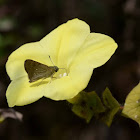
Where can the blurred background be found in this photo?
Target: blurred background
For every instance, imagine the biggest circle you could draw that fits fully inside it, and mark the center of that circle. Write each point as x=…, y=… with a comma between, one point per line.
x=27, y=21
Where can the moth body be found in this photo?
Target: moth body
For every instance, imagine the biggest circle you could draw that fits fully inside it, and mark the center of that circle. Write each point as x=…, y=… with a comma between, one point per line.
x=37, y=71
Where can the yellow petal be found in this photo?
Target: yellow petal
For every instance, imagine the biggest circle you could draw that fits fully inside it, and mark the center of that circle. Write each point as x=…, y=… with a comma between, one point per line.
x=69, y=86
x=70, y=46
x=52, y=42
x=20, y=92
x=63, y=45
x=15, y=63
x=63, y=42
x=97, y=50
x=74, y=35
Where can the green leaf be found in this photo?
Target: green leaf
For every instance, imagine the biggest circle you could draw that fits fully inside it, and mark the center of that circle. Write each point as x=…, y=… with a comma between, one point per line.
x=132, y=105
x=112, y=107
x=83, y=112
x=86, y=105
x=1, y=119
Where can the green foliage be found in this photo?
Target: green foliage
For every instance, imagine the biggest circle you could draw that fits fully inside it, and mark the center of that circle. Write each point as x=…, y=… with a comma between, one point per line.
x=88, y=104
x=1, y=119
x=112, y=107
x=132, y=105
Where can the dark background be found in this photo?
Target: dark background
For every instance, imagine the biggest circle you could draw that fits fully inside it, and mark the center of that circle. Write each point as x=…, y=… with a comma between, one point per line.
x=27, y=21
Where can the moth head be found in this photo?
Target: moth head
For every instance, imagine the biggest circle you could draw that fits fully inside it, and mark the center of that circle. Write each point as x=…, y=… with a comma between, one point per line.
x=56, y=68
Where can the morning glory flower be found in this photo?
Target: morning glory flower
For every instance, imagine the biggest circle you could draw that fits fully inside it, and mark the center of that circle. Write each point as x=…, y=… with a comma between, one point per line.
x=70, y=46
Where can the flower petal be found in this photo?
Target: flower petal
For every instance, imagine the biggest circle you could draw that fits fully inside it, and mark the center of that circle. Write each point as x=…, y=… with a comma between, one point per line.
x=97, y=50
x=21, y=92
x=64, y=46
x=51, y=42
x=15, y=63
x=75, y=33
x=69, y=86
x=70, y=46
x=63, y=42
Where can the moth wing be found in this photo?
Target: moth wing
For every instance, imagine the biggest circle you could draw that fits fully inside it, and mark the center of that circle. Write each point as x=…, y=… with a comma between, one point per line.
x=36, y=70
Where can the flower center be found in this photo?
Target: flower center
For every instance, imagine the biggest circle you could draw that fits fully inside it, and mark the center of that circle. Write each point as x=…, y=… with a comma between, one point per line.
x=61, y=73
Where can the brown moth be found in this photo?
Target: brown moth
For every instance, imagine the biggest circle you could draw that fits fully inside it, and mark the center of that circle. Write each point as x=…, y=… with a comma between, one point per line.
x=37, y=71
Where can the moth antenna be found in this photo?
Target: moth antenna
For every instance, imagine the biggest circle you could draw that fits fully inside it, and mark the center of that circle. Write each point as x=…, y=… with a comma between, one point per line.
x=51, y=60
x=54, y=65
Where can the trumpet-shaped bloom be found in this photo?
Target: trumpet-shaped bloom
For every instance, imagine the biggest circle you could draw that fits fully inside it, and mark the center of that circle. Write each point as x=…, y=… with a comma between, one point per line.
x=71, y=46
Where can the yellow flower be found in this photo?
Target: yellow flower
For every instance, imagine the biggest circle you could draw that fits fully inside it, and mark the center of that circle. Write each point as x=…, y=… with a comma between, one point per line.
x=70, y=46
